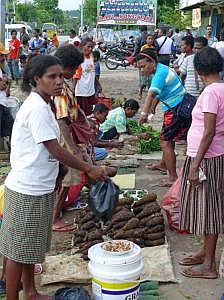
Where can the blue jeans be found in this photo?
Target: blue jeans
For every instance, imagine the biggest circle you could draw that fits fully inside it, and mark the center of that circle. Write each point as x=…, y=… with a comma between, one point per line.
x=14, y=68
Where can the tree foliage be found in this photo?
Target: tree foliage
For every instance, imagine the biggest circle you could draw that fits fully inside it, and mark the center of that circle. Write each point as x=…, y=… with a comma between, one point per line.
x=169, y=14
x=90, y=12
x=43, y=11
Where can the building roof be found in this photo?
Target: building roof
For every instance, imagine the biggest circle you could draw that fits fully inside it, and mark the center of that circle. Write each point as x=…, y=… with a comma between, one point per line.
x=190, y=4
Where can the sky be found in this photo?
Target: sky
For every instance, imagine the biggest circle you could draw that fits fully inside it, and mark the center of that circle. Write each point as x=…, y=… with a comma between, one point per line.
x=69, y=4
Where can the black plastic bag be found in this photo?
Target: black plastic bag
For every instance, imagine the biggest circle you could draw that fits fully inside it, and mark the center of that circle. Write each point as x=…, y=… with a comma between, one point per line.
x=103, y=198
x=77, y=293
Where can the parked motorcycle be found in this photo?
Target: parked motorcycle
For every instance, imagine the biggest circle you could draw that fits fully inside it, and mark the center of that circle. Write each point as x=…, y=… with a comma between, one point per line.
x=117, y=56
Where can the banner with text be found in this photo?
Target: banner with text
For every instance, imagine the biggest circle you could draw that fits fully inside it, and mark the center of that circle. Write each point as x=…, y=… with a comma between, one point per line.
x=128, y=12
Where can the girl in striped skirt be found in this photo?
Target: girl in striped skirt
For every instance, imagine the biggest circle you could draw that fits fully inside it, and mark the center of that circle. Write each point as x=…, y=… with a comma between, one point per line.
x=202, y=187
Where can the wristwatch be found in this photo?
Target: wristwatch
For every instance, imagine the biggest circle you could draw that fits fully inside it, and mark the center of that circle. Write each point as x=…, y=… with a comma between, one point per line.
x=144, y=114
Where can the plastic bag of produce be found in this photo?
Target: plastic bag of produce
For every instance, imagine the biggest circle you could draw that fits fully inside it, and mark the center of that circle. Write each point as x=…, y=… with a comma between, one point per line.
x=170, y=204
x=67, y=293
x=103, y=199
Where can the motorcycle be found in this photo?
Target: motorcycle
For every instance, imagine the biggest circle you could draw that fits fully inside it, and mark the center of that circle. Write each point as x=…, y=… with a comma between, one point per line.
x=118, y=57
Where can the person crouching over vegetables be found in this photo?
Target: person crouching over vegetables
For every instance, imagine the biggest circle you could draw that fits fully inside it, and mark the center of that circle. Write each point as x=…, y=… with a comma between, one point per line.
x=116, y=121
x=167, y=88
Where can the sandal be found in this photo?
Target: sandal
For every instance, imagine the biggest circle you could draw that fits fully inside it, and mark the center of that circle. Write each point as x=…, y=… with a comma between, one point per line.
x=154, y=167
x=191, y=260
x=70, y=228
x=196, y=273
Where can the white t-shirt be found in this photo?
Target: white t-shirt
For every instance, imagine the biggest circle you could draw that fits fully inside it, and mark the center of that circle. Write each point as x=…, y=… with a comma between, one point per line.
x=85, y=74
x=167, y=46
x=34, y=170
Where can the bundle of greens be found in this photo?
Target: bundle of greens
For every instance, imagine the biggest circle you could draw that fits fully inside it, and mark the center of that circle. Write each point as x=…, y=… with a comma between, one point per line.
x=146, y=146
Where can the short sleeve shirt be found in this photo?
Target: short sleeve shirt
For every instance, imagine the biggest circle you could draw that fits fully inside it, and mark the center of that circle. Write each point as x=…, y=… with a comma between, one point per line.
x=85, y=75
x=167, y=86
x=115, y=118
x=210, y=101
x=14, y=48
x=34, y=169
x=187, y=69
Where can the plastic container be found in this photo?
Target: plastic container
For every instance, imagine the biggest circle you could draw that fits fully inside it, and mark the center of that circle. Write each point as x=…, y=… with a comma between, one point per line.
x=115, y=277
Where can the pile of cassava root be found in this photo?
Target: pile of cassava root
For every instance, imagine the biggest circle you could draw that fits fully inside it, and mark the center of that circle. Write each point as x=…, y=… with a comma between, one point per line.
x=88, y=233
x=140, y=222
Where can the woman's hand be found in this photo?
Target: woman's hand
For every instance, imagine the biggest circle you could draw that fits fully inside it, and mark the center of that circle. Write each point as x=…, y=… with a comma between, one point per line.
x=143, y=119
x=194, y=176
x=97, y=173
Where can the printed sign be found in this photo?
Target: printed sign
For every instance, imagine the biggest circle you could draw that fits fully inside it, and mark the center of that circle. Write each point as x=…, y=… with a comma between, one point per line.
x=196, y=17
x=127, y=12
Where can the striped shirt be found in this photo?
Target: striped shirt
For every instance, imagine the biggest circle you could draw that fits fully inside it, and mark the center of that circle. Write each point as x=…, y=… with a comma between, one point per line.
x=167, y=86
x=187, y=68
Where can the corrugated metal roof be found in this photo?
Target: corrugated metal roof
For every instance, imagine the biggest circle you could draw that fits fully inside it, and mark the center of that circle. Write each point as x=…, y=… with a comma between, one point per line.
x=190, y=3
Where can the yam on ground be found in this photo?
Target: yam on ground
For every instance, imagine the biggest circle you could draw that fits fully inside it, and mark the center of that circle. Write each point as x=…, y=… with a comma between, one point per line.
x=119, y=225
x=123, y=215
x=137, y=209
x=120, y=207
x=81, y=233
x=149, y=210
x=131, y=224
x=88, y=217
x=133, y=233
x=158, y=242
x=88, y=225
x=78, y=240
x=87, y=245
x=156, y=228
x=146, y=199
x=94, y=235
x=125, y=201
x=155, y=219
x=154, y=236
x=138, y=241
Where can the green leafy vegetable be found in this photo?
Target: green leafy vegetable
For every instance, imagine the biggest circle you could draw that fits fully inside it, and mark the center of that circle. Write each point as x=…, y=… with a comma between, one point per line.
x=146, y=146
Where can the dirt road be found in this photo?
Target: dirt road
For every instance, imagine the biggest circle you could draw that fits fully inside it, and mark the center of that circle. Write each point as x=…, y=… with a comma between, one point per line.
x=125, y=83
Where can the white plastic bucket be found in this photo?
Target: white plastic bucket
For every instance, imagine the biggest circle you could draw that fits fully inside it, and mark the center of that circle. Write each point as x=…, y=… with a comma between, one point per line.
x=115, y=277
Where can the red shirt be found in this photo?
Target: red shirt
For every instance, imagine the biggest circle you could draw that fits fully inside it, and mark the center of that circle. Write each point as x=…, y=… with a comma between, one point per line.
x=14, y=46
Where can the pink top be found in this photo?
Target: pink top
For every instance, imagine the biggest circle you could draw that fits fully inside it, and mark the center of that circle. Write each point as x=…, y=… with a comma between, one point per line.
x=211, y=100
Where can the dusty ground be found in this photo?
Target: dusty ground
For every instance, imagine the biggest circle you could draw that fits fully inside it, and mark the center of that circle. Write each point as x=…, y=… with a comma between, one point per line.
x=124, y=83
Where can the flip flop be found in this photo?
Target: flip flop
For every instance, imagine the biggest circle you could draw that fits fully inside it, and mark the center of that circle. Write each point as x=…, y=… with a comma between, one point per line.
x=193, y=273
x=153, y=167
x=191, y=260
x=64, y=229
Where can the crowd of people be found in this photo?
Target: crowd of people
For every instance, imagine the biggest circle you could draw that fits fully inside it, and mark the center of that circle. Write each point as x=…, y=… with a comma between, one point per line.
x=61, y=121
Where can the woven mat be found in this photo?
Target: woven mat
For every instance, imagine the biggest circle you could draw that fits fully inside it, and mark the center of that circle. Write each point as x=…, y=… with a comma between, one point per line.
x=73, y=269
